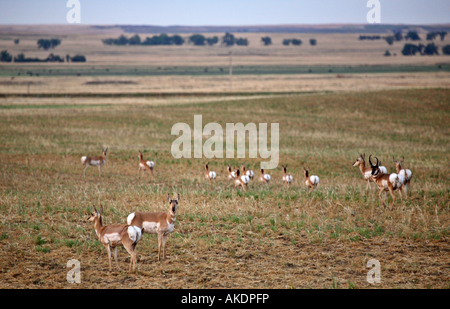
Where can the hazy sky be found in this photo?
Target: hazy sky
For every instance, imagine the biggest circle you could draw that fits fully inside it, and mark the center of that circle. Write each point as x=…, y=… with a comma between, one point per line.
x=223, y=12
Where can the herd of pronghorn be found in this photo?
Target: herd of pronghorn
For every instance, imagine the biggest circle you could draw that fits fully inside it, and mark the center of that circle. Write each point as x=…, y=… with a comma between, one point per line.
x=162, y=223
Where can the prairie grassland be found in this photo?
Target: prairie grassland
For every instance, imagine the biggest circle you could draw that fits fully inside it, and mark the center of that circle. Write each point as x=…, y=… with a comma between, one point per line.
x=267, y=237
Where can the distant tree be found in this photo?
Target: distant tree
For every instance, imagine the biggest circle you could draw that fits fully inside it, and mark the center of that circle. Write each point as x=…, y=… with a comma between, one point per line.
x=197, y=39
x=43, y=43
x=398, y=36
x=212, y=40
x=122, y=40
x=413, y=36
x=78, y=58
x=286, y=42
x=266, y=40
x=387, y=53
x=177, y=40
x=134, y=40
x=410, y=49
x=242, y=42
x=5, y=56
x=390, y=39
x=446, y=50
x=296, y=42
x=16, y=41
x=313, y=42
x=228, y=39
x=67, y=58
x=430, y=50
x=443, y=34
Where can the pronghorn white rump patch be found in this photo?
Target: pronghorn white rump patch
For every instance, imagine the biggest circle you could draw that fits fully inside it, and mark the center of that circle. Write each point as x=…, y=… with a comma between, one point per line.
x=314, y=179
x=288, y=178
x=150, y=164
x=383, y=169
x=245, y=179
x=83, y=159
x=134, y=233
x=212, y=175
x=266, y=177
x=130, y=218
x=250, y=173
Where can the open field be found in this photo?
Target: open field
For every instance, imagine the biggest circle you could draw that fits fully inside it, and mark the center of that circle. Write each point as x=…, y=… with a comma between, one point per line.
x=268, y=237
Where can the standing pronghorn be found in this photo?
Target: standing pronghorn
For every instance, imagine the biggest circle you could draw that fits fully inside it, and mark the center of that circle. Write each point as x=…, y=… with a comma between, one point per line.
x=145, y=165
x=405, y=173
x=231, y=174
x=209, y=174
x=241, y=180
x=112, y=236
x=287, y=178
x=98, y=161
x=310, y=181
x=265, y=178
x=386, y=182
x=247, y=172
x=366, y=171
x=161, y=223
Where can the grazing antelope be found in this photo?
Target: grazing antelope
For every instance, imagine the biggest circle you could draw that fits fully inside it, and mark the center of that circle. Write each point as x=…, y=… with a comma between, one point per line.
x=265, y=178
x=247, y=172
x=112, y=236
x=231, y=174
x=145, y=165
x=161, y=223
x=386, y=182
x=209, y=174
x=98, y=161
x=287, y=178
x=405, y=173
x=310, y=181
x=241, y=180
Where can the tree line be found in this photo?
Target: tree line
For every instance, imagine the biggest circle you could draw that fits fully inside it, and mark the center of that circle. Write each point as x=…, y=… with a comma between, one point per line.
x=5, y=56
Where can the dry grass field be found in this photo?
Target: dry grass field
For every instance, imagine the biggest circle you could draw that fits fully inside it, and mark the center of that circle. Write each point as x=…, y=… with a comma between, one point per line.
x=267, y=237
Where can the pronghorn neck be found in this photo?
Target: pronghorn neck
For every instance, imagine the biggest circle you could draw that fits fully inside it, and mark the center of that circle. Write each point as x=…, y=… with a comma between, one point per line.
x=306, y=174
x=362, y=166
x=98, y=226
x=398, y=167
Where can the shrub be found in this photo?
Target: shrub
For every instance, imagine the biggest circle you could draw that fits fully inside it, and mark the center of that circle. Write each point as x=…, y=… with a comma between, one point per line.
x=313, y=42
x=446, y=50
x=78, y=58
x=5, y=56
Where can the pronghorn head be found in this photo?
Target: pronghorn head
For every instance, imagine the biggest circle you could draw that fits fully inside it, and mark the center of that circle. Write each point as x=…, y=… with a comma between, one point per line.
x=360, y=159
x=305, y=171
x=173, y=204
x=229, y=168
x=375, y=167
x=284, y=168
x=238, y=172
x=96, y=214
x=262, y=171
x=398, y=163
x=140, y=155
x=206, y=166
x=105, y=151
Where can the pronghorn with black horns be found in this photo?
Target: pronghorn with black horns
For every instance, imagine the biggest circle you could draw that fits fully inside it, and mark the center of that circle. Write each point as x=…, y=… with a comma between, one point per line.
x=145, y=165
x=366, y=171
x=312, y=181
x=386, y=182
x=98, y=161
x=111, y=236
x=405, y=173
x=287, y=178
x=161, y=223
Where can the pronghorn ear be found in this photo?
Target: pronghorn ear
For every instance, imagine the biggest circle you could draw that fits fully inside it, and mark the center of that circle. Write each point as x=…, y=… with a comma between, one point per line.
x=101, y=210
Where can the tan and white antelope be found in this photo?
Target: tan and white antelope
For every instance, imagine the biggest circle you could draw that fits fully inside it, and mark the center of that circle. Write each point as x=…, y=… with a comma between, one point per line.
x=386, y=182
x=111, y=236
x=160, y=223
x=209, y=174
x=231, y=174
x=366, y=171
x=241, y=180
x=247, y=172
x=405, y=173
x=145, y=165
x=312, y=181
x=264, y=178
x=98, y=161
x=287, y=178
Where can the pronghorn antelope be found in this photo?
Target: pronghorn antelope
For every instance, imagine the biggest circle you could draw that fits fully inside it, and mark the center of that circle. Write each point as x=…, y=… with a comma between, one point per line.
x=265, y=178
x=386, y=182
x=209, y=174
x=145, y=165
x=112, y=236
x=98, y=161
x=231, y=174
x=405, y=173
x=247, y=172
x=161, y=223
x=366, y=171
x=310, y=181
x=287, y=178
x=241, y=180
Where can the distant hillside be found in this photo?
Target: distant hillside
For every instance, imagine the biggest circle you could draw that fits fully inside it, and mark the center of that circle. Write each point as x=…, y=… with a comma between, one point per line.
x=331, y=28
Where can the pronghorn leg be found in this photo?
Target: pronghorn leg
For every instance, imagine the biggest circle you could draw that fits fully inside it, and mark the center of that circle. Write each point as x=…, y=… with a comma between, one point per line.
x=108, y=249
x=159, y=246
x=99, y=171
x=393, y=197
x=164, y=246
x=400, y=192
x=115, y=258
x=85, y=168
x=381, y=199
x=131, y=250
x=406, y=190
